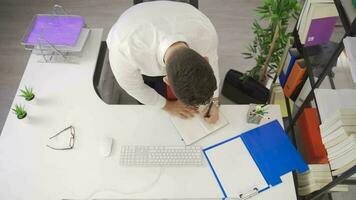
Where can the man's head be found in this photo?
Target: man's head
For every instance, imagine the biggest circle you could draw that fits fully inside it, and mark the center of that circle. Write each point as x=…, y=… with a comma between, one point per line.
x=190, y=76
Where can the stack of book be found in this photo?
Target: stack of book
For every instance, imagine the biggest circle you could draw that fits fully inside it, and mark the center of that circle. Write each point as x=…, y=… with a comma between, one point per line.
x=316, y=22
x=317, y=177
x=338, y=134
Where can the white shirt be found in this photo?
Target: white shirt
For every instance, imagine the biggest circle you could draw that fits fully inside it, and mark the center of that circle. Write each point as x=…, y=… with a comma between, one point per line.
x=139, y=39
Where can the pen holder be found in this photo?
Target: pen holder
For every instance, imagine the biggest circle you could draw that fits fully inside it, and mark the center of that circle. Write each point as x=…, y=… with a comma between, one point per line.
x=254, y=117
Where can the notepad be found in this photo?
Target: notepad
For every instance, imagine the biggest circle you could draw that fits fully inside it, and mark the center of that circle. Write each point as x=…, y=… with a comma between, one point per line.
x=196, y=128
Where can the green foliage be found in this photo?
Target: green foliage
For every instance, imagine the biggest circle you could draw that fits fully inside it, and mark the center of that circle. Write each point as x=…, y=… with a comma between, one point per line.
x=27, y=93
x=20, y=111
x=272, y=13
x=259, y=110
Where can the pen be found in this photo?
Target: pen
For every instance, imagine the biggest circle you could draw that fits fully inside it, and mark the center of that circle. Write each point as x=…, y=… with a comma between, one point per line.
x=207, y=114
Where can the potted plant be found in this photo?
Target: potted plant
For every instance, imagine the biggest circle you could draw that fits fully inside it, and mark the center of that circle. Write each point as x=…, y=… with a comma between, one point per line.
x=271, y=35
x=27, y=93
x=20, y=111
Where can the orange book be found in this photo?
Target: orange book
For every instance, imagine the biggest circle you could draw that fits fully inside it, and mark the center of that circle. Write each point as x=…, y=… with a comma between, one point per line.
x=295, y=77
x=314, y=149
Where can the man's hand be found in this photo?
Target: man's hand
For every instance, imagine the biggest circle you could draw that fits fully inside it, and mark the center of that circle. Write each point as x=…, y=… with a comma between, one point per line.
x=179, y=109
x=213, y=115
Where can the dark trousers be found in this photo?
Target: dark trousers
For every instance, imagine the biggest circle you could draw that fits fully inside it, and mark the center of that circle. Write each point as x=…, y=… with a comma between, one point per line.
x=156, y=83
x=111, y=92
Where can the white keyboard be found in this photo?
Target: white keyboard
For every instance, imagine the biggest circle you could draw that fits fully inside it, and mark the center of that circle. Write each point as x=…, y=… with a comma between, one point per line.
x=161, y=156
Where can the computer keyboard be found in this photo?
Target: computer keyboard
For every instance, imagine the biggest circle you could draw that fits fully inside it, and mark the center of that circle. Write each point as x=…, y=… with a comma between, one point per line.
x=161, y=156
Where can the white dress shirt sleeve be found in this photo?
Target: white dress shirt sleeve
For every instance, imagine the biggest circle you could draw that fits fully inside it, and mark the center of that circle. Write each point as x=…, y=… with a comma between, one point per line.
x=213, y=61
x=130, y=79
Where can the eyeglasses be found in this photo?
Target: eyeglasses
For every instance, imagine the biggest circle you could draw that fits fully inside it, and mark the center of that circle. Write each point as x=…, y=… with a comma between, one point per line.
x=71, y=140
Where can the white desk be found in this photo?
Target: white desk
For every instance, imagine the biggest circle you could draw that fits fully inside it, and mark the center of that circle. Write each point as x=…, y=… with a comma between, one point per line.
x=65, y=96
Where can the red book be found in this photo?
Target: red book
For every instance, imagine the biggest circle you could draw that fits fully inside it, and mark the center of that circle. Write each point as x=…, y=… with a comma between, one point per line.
x=314, y=149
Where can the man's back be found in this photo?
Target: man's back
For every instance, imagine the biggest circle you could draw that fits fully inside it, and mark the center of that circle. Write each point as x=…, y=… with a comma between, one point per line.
x=143, y=29
x=140, y=38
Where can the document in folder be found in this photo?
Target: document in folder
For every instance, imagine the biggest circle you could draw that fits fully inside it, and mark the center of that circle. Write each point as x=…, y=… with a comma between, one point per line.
x=230, y=162
x=254, y=161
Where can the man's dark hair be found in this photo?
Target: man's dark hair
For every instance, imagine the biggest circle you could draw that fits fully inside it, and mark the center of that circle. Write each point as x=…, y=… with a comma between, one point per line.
x=191, y=77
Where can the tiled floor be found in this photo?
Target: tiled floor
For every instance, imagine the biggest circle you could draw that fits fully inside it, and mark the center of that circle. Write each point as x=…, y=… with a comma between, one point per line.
x=232, y=19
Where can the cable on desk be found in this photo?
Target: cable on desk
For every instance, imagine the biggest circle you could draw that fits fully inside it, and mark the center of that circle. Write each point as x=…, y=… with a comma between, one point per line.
x=140, y=190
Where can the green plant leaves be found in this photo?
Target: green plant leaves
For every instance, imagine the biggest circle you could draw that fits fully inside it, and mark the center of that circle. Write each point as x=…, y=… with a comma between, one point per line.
x=273, y=13
x=20, y=111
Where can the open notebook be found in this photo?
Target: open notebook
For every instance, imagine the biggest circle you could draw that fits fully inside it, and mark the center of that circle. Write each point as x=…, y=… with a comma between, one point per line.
x=194, y=129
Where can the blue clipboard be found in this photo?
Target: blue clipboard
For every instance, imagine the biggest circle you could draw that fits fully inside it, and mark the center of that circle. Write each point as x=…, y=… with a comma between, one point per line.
x=272, y=152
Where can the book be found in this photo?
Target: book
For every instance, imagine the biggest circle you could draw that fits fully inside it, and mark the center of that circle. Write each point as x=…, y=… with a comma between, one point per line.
x=336, y=116
x=350, y=51
x=277, y=97
x=317, y=177
x=338, y=135
x=295, y=78
x=314, y=149
x=347, y=145
x=285, y=54
x=303, y=93
x=343, y=77
x=343, y=159
x=316, y=15
x=343, y=168
x=292, y=56
x=314, y=187
x=193, y=129
x=329, y=100
x=336, y=140
x=347, y=122
x=319, y=167
x=320, y=30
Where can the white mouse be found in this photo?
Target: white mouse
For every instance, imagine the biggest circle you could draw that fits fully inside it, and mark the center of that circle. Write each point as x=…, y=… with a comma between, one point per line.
x=106, y=146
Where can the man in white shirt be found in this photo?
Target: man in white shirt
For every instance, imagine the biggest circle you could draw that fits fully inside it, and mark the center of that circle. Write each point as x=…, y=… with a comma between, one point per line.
x=172, y=42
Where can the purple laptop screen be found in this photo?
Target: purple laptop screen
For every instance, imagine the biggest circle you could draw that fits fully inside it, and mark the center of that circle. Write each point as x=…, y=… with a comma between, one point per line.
x=57, y=30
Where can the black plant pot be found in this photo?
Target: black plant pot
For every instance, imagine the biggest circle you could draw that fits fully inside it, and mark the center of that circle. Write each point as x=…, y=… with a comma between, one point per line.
x=243, y=92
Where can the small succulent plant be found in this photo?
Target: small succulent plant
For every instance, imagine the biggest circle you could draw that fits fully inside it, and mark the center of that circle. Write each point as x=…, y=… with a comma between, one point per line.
x=27, y=93
x=20, y=111
x=260, y=110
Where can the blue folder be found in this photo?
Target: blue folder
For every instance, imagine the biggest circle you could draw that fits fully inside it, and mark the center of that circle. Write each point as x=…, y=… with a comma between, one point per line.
x=272, y=151
x=293, y=55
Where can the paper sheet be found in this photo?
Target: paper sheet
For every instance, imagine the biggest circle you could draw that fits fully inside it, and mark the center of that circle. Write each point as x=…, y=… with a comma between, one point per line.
x=233, y=163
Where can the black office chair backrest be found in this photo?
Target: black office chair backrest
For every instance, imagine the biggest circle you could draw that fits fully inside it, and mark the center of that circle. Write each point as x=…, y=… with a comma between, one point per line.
x=194, y=3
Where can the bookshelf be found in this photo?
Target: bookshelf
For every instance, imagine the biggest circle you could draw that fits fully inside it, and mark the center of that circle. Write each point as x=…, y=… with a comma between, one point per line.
x=320, y=60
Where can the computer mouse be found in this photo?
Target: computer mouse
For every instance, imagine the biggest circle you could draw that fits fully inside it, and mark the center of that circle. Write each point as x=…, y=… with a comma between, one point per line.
x=106, y=146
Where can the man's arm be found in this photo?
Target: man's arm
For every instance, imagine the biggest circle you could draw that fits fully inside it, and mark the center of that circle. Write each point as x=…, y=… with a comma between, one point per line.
x=213, y=61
